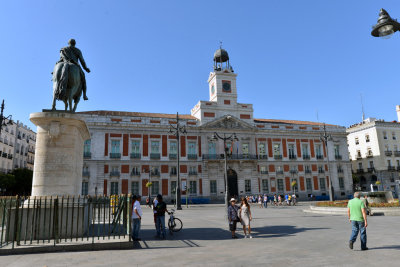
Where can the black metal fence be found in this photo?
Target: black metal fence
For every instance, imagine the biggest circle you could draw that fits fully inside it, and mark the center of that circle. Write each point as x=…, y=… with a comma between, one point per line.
x=29, y=220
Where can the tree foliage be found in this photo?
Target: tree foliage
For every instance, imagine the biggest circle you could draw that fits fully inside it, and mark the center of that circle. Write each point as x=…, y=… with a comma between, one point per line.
x=18, y=182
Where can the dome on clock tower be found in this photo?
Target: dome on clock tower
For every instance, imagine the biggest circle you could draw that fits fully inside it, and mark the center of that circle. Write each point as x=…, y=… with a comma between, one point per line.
x=221, y=55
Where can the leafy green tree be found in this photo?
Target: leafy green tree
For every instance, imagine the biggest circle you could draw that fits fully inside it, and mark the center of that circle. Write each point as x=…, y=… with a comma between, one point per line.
x=23, y=182
x=7, y=184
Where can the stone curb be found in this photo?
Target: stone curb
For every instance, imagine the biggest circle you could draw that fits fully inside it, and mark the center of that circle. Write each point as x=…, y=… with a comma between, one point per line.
x=343, y=211
x=70, y=248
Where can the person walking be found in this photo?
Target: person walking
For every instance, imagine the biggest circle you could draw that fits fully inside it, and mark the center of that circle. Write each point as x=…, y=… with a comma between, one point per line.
x=245, y=217
x=233, y=217
x=136, y=217
x=279, y=200
x=161, y=209
x=358, y=220
x=154, y=205
x=260, y=201
x=265, y=201
x=275, y=200
x=294, y=199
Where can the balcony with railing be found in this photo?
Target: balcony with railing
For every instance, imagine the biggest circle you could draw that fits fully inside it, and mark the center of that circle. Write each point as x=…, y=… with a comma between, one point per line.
x=229, y=156
x=4, y=155
x=320, y=157
x=396, y=153
x=308, y=171
x=369, y=154
x=115, y=155
x=192, y=172
x=264, y=172
x=135, y=155
x=388, y=153
x=85, y=173
x=155, y=173
x=135, y=173
x=154, y=155
x=293, y=171
x=338, y=157
x=339, y=170
x=10, y=156
x=174, y=172
x=263, y=156
x=192, y=156
x=173, y=156
x=306, y=157
x=277, y=156
x=391, y=168
x=358, y=156
x=30, y=161
x=321, y=171
x=360, y=170
x=398, y=168
x=371, y=169
x=292, y=156
x=279, y=172
x=115, y=174
x=87, y=155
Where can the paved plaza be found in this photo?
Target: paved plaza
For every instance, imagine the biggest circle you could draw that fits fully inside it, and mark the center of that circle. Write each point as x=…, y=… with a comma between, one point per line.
x=283, y=236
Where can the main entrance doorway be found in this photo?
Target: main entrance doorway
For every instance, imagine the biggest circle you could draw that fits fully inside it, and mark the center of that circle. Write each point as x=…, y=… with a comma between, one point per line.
x=232, y=184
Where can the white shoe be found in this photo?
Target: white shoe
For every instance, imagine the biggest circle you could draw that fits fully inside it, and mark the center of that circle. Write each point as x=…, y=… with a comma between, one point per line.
x=245, y=236
x=250, y=236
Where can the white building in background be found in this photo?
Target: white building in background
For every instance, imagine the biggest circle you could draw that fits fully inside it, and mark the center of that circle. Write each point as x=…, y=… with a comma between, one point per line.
x=17, y=147
x=374, y=148
x=269, y=155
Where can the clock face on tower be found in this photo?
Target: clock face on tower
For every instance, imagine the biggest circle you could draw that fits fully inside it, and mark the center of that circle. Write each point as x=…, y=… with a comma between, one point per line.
x=226, y=86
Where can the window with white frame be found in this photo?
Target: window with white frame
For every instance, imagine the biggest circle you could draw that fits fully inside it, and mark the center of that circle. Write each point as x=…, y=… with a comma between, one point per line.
x=265, y=187
x=384, y=135
x=280, y=185
x=173, y=188
x=356, y=141
x=211, y=148
x=85, y=188
x=213, y=186
x=304, y=148
x=192, y=187
x=155, y=188
x=261, y=149
x=341, y=183
x=155, y=147
x=292, y=152
x=86, y=147
x=277, y=149
x=192, y=148
x=308, y=184
x=394, y=136
x=245, y=149
x=115, y=146
x=322, y=184
x=367, y=138
x=114, y=188
x=263, y=170
x=135, y=188
x=247, y=186
x=135, y=146
x=173, y=149
x=318, y=150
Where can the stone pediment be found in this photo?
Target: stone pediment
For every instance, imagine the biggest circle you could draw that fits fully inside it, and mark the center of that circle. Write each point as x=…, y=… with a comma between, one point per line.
x=228, y=122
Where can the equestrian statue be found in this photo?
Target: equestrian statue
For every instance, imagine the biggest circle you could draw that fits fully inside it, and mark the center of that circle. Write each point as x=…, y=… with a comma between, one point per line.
x=68, y=77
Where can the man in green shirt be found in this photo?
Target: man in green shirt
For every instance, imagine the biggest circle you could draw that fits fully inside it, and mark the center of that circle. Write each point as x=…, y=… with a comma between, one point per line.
x=358, y=220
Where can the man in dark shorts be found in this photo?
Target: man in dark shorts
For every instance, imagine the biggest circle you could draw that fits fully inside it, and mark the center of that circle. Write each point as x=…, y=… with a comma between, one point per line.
x=233, y=217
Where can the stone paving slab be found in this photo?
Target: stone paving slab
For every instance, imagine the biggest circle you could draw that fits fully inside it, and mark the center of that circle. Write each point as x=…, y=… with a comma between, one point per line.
x=284, y=236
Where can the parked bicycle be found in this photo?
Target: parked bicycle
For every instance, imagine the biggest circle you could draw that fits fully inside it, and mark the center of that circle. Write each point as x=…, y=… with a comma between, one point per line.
x=174, y=224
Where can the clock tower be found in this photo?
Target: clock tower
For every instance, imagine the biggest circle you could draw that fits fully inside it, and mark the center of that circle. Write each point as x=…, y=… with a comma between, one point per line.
x=222, y=81
x=223, y=94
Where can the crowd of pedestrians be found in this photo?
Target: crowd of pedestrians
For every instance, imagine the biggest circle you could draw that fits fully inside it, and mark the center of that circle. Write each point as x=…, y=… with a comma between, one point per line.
x=275, y=200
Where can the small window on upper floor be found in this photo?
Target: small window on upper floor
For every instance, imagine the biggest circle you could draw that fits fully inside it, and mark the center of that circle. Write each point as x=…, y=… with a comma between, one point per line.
x=394, y=136
x=367, y=138
x=356, y=141
x=384, y=135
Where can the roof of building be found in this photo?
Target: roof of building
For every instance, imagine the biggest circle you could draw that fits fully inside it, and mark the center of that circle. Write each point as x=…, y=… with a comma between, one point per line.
x=190, y=117
x=137, y=114
x=291, y=122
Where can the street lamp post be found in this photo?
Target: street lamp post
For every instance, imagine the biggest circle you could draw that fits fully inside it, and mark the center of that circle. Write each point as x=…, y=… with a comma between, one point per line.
x=177, y=130
x=386, y=26
x=3, y=119
x=225, y=138
x=325, y=137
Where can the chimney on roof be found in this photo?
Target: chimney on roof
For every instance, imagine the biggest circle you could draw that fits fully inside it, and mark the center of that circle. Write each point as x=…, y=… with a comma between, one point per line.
x=398, y=112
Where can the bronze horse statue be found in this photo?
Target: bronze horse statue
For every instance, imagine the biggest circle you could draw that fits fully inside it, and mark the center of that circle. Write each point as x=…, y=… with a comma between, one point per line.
x=68, y=78
x=67, y=85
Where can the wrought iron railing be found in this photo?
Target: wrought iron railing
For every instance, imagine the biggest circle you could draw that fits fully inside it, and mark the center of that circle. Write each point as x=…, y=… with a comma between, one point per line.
x=115, y=155
x=192, y=156
x=136, y=155
x=155, y=155
x=55, y=220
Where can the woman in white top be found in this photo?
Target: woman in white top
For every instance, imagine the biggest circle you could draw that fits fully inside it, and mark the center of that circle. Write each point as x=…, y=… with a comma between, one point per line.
x=245, y=216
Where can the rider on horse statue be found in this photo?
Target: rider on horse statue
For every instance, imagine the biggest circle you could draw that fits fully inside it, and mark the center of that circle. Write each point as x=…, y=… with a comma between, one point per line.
x=73, y=55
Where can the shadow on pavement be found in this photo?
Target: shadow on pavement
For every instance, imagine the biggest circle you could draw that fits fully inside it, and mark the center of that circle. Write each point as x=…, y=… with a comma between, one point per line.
x=280, y=230
x=387, y=247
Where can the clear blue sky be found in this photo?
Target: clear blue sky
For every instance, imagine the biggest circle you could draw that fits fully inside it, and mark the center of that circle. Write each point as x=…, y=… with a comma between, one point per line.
x=292, y=57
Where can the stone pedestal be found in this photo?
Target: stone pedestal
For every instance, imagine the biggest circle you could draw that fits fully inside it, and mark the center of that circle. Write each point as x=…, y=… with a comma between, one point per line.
x=59, y=153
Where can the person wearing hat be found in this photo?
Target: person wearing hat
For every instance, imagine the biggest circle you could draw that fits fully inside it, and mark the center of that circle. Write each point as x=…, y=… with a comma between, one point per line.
x=233, y=216
x=161, y=209
x=136, y=217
